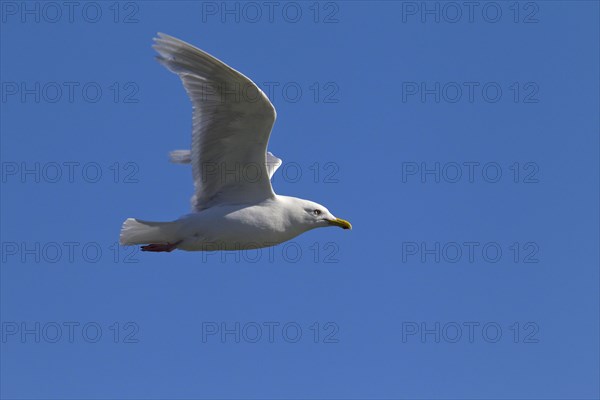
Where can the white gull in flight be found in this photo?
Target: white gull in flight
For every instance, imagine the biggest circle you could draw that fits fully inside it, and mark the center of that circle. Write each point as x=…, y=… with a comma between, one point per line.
x=234, y=206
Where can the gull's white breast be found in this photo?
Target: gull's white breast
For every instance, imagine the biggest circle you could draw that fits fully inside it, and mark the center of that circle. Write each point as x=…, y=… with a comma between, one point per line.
x=237, y=227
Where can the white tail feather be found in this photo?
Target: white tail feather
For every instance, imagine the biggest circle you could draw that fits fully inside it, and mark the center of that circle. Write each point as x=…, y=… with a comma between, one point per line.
x=136, y=231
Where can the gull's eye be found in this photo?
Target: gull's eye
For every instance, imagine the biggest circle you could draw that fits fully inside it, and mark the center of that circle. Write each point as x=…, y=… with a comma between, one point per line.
x=317, y=212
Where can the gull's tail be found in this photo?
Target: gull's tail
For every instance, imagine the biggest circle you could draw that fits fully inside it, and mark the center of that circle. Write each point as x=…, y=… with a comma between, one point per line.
x=135, y=231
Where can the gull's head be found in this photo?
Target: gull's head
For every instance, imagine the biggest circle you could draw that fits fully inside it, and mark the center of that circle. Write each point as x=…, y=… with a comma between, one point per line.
x=313, y=215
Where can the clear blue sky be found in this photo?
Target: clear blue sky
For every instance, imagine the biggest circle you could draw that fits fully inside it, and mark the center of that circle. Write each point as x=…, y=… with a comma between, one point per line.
x=464, y=152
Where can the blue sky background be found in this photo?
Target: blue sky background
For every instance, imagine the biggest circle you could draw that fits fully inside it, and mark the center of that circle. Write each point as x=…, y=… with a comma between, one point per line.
x=368, y=289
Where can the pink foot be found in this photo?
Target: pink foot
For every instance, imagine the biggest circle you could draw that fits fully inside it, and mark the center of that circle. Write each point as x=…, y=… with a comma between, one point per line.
x=156, y=247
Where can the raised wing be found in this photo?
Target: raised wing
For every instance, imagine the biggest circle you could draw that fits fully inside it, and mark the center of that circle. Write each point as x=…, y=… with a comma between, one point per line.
x=232, y=121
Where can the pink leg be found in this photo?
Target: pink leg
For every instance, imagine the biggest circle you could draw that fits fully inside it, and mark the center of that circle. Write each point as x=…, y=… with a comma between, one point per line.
x=157, y=247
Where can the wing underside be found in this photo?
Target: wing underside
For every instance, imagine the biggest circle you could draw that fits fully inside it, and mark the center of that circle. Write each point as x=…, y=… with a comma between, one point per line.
x=232, y=121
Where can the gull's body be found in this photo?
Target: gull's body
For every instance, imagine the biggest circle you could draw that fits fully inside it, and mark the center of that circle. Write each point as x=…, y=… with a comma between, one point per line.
x=231, y=210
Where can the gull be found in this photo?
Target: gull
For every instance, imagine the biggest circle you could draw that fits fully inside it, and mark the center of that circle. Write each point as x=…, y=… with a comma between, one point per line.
x=234, y=206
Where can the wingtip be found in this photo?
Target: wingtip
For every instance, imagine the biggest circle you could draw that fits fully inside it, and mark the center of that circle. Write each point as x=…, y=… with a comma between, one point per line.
x=160, y=37
x=164, y=36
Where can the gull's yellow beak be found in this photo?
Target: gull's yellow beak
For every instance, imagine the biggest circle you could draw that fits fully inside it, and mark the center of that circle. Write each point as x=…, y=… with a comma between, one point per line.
x=342, y=223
